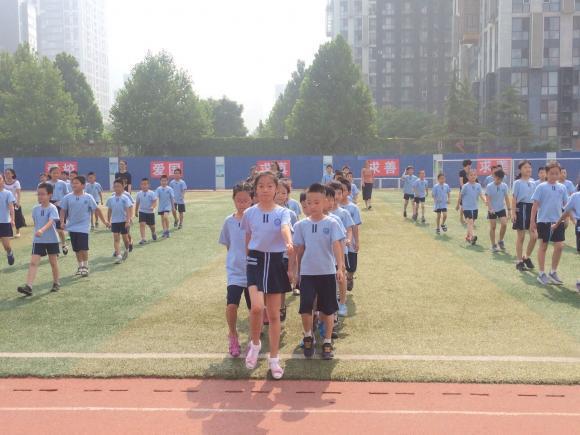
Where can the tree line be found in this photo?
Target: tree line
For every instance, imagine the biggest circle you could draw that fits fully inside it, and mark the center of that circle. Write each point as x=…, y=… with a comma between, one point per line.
x=326, y=108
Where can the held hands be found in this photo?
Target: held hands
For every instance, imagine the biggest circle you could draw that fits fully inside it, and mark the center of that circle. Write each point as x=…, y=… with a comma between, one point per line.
x=290, y=248
x=108, y=224
x=340, y=275
x=349, y=243
x=554, y=226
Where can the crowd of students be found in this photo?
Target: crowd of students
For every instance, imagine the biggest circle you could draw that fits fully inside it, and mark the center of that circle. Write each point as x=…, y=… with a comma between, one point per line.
x=69, y=203
x=542, y=209
x=276, y=245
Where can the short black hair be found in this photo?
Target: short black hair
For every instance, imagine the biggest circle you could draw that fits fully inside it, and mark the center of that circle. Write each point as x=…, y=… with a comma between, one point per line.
x=329, y=166
x=117, y=181
x=243, y=187
x=303, y=195
x=145, y=179
x=90, y=173
x=336, y=185
x=346, y=183
x=177, y=170
x=499, y=174
x=46, y=186
x=315, y=188
x=541, y=168
x=330, y=192
x=81, y=179
x=163, y=177
x=467, y=162
x=65, y=172
x=441, y=174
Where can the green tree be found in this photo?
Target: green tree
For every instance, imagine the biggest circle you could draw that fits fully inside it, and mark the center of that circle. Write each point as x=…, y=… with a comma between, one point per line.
x=507, y=121
x=75, y=83
x=227, y=118
x=275, y=126
x=461, y=116
x=36, y=113
x=404, y=123
x=157, y=111
x=335, y=109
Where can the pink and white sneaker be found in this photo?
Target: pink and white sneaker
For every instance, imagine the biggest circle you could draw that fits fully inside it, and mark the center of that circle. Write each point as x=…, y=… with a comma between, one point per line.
x=252, y=356
x=275, y=369
x=234, y=346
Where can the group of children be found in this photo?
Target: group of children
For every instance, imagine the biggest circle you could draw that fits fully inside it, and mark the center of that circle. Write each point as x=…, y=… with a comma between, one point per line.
x=272, y=249
x=72, y=205
x=541, y=208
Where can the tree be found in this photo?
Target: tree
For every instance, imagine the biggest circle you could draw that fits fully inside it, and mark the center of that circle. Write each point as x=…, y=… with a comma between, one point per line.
x=227, y=118
x=461, y=117
x=404, y=123
x=75, y=83
x=157, y=110
x=276, y=124
x=334, y=109
x=35, y=109
x=507, y=121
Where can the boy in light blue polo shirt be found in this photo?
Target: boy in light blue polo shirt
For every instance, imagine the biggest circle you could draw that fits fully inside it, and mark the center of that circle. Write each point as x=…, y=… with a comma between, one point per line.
x=497, y=196
x=408, y=180
x=119, y=214
x=94, y=189
x=441, y=196
x=570, y=188
x=572, y=209
x=468, y=199
x=145, y=210
x=59, y=191
x=179, y=187
x=7, y=201
x=421, y=190
x=549, y=199
x=78, y=206
x=166, y=198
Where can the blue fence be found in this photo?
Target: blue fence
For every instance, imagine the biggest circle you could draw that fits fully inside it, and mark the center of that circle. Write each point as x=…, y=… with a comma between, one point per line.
x=200, y=172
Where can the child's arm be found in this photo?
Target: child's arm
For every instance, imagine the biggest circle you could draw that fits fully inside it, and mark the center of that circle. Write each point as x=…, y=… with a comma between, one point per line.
x=339, y=256
x=42, y=230
x=508, y=205
x=129, y=216
x=248, y=238
x=487, y=203
x=299, y=250
x=563, y=218
x=137, y=207
x=100, y=214
x=109, y=213
x=356, y=244
x=533, y=227
x=11, y=208
x=458, y=201
x=101, y=196
x=287, y=235
x=514, y=208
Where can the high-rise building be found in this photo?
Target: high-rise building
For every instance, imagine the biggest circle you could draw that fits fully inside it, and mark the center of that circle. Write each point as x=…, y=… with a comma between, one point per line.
x=533, y=45
x=17, y=24
x=78, y=27
x=465, y=39
x=403, y=48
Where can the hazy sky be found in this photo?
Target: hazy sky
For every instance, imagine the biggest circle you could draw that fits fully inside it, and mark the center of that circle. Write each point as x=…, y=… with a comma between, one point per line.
x=238, y=48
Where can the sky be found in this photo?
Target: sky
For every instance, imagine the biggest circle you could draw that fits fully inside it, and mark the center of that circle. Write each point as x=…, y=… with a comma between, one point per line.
x=241, y=49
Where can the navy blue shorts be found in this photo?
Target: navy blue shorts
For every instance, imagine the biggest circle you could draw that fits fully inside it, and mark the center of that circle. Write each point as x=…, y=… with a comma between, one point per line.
x=79, y=241
x=235, y=293
x=266, y=271
x=419, y=200
x=440, y=210
x=523, y=216
x=321, y=288
x=351, y=262
x=44, y=249
x=119, y=228
x=470, y=214
x=497, y=215
x=148, y=218
x=180, y=208
x=408, y=196
x=5, y=230
x=545, y=233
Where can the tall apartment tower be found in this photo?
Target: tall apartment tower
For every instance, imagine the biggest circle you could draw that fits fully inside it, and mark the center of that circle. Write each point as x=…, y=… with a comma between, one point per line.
x=465, y=39
x=534, y=45
x=403, y=48
x=78, y=27
x=17, y=24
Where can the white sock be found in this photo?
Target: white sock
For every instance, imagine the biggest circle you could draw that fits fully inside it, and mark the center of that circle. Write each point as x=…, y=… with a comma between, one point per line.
x=328, y=341
x=308, y=334
x=552, y=271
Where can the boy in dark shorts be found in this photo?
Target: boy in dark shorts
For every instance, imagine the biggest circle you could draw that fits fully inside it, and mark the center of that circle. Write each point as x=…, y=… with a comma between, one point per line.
x=145, y=210
x=549, y=200
x=45, y=241
x=78, y=207
x=7, y=201
x=441, y=196
x=319, y=252
x=119, y=214
x=497, y=196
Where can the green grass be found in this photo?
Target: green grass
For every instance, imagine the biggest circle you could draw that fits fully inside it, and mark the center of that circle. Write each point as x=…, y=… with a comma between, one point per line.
x=416, y=293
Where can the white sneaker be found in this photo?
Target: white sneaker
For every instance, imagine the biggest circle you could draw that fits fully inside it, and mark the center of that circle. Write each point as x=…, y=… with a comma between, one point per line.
x=275, y=369
x=119, y=259
x=252, y=356
x=125, y=255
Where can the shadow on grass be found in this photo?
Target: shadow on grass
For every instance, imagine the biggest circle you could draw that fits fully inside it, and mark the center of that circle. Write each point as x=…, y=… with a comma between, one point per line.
x=558, y=294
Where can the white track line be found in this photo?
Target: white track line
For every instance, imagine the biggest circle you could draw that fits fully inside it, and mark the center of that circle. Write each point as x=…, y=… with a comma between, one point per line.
x=287, y=411
x=294, y=356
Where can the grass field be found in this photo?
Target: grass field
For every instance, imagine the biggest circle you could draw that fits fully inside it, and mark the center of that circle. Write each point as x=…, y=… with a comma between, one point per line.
x=416, y=294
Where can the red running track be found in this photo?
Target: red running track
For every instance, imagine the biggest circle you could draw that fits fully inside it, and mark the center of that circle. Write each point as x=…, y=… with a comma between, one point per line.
x=170, y=406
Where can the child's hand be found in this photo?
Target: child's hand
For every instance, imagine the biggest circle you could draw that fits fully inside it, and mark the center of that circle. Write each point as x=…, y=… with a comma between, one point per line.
x=290, y=248
x=39, y=233
x=348, y=243
x=554, y=226
x=340, y=275
x=108, y=224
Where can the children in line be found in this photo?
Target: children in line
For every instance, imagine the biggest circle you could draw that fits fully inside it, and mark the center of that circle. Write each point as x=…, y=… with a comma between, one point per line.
x=166, y=204
x=351, y=261
x=522, y=203
x=120, y=211
x=179, y=187
x=497, y=199
x=59, y=191
x=421, y=190
x=7, y=201
x=408, y=181
x=145, y=210
x=468, y=201
x=442, y=197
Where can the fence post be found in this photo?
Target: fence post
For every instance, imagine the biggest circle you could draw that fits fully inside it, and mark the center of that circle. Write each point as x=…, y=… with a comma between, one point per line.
x=220, y=173
x=8, y=163
x=551, y=156
x=113, y=169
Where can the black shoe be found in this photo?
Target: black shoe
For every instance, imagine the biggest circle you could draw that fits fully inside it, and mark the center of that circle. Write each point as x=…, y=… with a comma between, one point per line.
x=55, y=287
x=64, y=250
x=404, y=214
x=11, y=259
x=327, y=351
x=473, y=240
x=283, y=314
x=26, y=290
x=349, y=284
x=130, y=247
x=444, y=228
x=521, y=266
x=308, y=347
x=529, y=263
x=334, y=335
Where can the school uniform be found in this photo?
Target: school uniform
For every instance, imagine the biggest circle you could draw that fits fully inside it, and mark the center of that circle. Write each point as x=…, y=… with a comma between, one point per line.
x=233, y=237
x=497, y=194
x=94, y=189
x=408, y=183
x=440, y=193
x=420, y=190
x=352, y=255
x=79, y=209
x=573, y=206
x=19, y=221
x=165, y=195
x=470, y=194
x=119, y=206
x=179, y=188
x=294, y=205
x=318, y=265
x=265, y=266
x=522, y=192
x=47, y=243
x=327, y=178
x=570, y=188
x=146, y=212
x=347, y=222
x=59, y=191
x=551, y=199
x=6, y=199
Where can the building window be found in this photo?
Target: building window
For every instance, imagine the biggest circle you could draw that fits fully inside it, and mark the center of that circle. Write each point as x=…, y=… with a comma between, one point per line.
x=552, y=5
x=520, y=57
x=550, y=83
x=551, y=27
x=576, y=56
x=407, y=81
x=549, y=110
x=407, y=52
x=389, y=9
x=520, y=82
x=548, y=132
x=407, y=9
x=389, y=23
x=520, y=29
x=577, y=4
x=551, y=56
x=520, y=6
x=577, y=27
